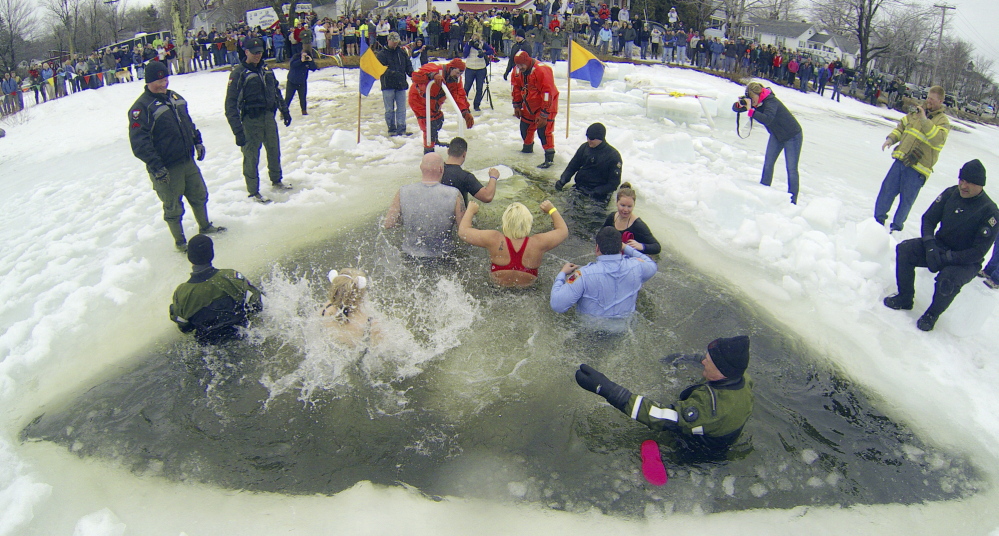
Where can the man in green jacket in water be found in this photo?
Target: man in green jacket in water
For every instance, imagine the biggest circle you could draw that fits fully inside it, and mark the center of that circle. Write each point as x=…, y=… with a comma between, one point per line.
x=213, y=303
x=707, y=415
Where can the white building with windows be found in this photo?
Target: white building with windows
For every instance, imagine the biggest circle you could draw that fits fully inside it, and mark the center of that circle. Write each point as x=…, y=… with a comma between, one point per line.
x=804, y=38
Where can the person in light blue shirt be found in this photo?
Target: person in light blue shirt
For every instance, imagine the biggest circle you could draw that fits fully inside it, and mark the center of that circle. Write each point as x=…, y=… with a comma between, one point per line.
x=608, y=287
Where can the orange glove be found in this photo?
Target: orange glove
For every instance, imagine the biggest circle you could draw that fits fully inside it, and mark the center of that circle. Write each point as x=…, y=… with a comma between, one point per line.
x=469, y=121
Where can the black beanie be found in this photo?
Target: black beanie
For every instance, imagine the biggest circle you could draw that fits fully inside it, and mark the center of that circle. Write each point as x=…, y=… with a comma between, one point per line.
x=520, y=33
x=973, y=172
x=200, y=250
x=596, y=131
x=156, y=71
x=731, y=355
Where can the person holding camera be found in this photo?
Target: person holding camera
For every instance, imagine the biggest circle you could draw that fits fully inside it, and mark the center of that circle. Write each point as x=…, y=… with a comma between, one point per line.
x=163, y=135
x=298, y=79
x=920, y=136
x=477, y=55
x=761, y=104
x=395, y=84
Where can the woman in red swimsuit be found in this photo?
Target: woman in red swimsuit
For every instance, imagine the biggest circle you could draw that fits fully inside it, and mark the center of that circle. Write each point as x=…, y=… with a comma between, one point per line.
x=516, y=256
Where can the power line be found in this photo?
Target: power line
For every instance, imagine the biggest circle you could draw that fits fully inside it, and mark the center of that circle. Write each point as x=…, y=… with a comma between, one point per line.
x=984, y=45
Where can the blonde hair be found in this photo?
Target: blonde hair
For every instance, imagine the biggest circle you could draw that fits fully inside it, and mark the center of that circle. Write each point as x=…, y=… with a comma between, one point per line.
x=345, y=294
x=517, y=221
x=938, y=91
x=754, y=87
x=626, y=191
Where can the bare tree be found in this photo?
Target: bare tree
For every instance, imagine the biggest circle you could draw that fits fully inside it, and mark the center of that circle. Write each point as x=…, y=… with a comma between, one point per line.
x=776, y=10
x=67, y=15
x=696, y=13
x=856, y=17
x=17, y=24
x=908, y=43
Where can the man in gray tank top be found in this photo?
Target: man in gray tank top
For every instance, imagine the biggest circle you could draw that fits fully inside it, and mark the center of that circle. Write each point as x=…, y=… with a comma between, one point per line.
x=428, y=211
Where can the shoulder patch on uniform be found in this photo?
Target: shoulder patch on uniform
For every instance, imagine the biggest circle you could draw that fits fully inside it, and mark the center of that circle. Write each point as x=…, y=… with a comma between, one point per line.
x=690, y=414
x=574, y=276
x=939, y=198
x=137, y=112
x=992, y=221
x=239, y=275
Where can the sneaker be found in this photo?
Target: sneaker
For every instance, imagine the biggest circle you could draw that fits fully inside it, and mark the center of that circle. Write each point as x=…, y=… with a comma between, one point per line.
x=982, y=274
x=897, y=302
x=212, y=229
x=259, y=198
x=476, y=109
x=991, y=283
x=305, y=112
x=927, y=321
x=405, y=134
x=280, y=186
x=181, y=246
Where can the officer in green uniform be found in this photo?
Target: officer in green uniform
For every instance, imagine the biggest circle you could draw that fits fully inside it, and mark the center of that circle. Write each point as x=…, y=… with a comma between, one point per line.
x=708, y=415
x=163, y=136
x=213, y=303
x=251, y=100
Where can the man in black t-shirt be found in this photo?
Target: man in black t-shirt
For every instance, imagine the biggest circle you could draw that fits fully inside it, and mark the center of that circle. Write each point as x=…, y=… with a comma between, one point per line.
x=464, y=181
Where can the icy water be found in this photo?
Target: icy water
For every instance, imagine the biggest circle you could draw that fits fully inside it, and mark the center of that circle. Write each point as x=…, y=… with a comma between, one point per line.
x=468, y=391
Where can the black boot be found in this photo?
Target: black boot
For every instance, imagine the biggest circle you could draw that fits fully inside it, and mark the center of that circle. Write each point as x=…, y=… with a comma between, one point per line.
x=898, y=302
x=927, y=321
x=549, y=159
x=428, y=150
x=528, y=148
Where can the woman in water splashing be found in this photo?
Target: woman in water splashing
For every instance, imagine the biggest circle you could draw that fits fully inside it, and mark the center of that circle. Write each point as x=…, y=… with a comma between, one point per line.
x=515, y=256
x=346, y=308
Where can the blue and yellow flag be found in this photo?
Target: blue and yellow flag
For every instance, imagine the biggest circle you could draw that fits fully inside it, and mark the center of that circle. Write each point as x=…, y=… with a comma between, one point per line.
x=371, y=68
x=583, y=65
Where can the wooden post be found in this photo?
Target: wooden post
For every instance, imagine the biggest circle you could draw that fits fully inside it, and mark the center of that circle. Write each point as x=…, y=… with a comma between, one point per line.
x=568, y=87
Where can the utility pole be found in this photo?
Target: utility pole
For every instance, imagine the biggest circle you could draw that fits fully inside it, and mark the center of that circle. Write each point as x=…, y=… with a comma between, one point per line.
x=943, y=17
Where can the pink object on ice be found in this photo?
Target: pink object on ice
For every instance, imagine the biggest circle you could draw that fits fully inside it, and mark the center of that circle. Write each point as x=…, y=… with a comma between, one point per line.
x=652, y=464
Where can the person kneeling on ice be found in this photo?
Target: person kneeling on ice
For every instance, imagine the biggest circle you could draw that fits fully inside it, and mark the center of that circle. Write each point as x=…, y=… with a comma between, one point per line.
x=607, y=288
x=967, y=220
x=596, y=166
x=708, y=415
x=434, y=73
x=346, y=308
x=535, y=103
x=213, y=303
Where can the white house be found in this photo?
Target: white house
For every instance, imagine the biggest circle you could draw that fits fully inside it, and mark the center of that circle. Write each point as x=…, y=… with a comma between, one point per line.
x=803, y=37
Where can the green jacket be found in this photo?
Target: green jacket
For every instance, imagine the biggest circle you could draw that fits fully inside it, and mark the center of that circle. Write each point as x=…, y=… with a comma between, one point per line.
x=920, y=140
x=711, y=413
x=213, y=303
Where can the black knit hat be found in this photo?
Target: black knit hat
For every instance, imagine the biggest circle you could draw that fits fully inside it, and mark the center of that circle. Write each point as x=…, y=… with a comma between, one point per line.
x=973, y=172
x=156, y=70
x=200, y=250
x=596, y=131
x=731, y=355
x=520, y=33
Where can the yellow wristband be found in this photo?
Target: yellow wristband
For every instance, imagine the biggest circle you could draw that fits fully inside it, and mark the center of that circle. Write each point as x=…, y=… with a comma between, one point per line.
x=552, y=211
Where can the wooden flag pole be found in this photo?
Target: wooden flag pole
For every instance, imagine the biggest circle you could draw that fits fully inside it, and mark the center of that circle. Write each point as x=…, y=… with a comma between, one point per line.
x=568, y=87
x=358, y=115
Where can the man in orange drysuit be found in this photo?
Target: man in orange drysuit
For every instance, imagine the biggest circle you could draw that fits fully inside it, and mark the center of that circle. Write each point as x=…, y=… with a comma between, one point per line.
x=450, y=74
x=535, y=102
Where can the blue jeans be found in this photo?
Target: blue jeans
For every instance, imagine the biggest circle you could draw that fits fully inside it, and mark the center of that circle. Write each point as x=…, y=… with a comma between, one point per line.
x=395, y=110
x=792, y=151
x=478, y=76
x=901, y=181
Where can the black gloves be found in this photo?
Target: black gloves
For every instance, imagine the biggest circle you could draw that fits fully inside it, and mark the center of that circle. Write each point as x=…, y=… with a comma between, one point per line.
x=161, y=175
x=592, y=380
x=286, y=115
x=199, y=151
x=240, y=139
x=560, y=184
x=932, y=254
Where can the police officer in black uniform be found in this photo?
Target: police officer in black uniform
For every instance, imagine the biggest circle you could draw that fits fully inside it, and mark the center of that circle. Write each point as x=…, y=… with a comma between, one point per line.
x=251, y=100
x=967, y=221
x=596, y=165
x=163, y=136
x=708, y=415
x=518, y=44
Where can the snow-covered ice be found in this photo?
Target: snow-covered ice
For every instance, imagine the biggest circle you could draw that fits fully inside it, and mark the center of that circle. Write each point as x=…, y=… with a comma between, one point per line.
x=90, y=268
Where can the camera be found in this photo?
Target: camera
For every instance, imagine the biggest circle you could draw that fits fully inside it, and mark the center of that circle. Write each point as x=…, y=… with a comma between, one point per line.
x=739, y=107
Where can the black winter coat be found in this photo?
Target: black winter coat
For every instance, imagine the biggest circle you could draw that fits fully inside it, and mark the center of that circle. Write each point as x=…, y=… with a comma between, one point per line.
x=777, y=118
x=399, y=68
x=597, y=170
x=967, y=226
x=161, y=131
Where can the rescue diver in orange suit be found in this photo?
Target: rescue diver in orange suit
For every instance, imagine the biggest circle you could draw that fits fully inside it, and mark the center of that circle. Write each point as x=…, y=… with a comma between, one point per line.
x=535, y=102
x=449, y=74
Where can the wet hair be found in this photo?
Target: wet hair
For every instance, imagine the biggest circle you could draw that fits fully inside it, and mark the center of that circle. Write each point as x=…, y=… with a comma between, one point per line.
x=754, y=87
x=625, y=190
x=609, y=241
x=344, y=295
x=517, y=221
x=457, y=147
